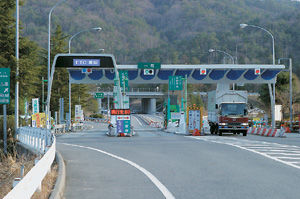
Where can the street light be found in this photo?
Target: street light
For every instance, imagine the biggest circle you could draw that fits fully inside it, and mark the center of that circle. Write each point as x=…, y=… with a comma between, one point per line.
x=70, y=40
x=273, y=42
x=97, y=51
x=49, y=53
x=17, y=74
x=291, y=88
x=269, y=85
x=214, y=50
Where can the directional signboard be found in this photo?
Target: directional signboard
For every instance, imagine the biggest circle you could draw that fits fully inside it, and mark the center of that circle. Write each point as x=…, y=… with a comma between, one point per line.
x=123, y=124
x=4, y=85
x=35, y=106
x=99, y=95
x=175, y=83
x=84, y=61
x=147, y=65
x=123, y=74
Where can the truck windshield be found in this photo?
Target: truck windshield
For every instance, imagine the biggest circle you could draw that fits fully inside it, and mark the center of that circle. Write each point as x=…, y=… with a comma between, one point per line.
x=233, y=109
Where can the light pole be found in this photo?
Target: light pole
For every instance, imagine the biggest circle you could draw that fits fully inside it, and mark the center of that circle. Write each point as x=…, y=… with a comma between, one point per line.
x=70, y=40
x=291, y=88
x=96, y=51
x=49, y=62
x=269, y=85
x=17, y=69
x=214, y=50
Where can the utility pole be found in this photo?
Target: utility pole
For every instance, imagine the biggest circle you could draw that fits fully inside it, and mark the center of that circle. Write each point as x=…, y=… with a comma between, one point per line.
x=17, y=69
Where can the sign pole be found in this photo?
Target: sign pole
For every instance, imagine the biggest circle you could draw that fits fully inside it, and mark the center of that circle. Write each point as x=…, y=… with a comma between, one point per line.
x=4, y=129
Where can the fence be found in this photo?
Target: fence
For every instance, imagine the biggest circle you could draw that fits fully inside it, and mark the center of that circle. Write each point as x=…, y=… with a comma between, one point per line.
x=44, y=142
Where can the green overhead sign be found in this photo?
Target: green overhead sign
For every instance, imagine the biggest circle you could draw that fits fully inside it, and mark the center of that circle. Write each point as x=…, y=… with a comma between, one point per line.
x=148, y=65
x=99, y=95
x=4, y=85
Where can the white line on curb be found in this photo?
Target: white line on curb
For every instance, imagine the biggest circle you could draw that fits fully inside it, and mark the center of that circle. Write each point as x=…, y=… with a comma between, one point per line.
x=156, y=182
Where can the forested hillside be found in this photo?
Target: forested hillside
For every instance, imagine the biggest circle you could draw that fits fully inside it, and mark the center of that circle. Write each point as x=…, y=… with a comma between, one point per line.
x=166, y=31
x=171, y=31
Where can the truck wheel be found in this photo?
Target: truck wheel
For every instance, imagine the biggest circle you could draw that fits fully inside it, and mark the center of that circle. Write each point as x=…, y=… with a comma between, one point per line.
x=220, y=133
x=245, y=134
x=211, y=130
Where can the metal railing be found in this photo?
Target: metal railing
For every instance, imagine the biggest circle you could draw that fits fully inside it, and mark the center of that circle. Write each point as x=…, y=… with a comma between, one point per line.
x=43, y=141
x=37, y=138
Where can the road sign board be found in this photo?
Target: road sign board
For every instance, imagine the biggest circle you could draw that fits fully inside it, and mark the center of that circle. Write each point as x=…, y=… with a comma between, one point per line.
x=35, y=106
x=147, y=65
x=99, y=95
x=175, y=83
x=123, y=124
x=4, y=85
x=120, y=111
x=123, y=74
x=84, y=61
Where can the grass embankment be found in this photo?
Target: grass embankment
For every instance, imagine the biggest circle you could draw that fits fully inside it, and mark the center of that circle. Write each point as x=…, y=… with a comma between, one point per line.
x=10, y=168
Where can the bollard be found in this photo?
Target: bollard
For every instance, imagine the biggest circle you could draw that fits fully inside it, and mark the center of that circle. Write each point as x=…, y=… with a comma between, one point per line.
x=15, y=182
x=22, y=171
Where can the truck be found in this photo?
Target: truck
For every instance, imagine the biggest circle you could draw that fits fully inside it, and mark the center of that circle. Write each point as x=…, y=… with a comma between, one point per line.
x=228, y=111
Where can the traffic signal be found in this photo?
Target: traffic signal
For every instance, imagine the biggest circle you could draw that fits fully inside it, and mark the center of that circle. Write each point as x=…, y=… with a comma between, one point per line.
x=203, y=71
x=86, y=70
x=257, y=71
x=148, y=72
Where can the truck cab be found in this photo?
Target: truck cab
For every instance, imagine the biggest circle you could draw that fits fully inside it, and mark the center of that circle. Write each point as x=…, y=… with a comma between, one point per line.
x=233, y=117
x=228, y=111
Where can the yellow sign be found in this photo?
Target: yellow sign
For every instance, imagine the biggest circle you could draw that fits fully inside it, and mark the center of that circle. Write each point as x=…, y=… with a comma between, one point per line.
x=194, y=118
x=39, y=120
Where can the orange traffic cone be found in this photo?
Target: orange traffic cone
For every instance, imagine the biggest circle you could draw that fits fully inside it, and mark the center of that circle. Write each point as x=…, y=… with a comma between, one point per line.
x=121, y=135
x=196, y=132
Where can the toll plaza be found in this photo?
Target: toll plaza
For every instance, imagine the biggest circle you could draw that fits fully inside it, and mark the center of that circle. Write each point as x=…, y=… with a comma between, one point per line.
x=103, y=69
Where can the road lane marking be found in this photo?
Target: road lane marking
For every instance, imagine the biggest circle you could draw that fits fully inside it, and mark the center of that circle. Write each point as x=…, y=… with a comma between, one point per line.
x=234, y=143
x=138, y=120
x=156, y=182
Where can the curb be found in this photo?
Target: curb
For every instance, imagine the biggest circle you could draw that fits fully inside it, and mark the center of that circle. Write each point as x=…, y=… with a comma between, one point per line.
x=59, y=187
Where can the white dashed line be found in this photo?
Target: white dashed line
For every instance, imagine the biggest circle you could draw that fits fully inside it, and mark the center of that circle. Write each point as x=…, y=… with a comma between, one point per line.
x=167, y=194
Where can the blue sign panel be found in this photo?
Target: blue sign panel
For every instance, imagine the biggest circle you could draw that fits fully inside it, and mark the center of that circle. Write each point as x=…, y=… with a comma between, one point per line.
x=86, y=62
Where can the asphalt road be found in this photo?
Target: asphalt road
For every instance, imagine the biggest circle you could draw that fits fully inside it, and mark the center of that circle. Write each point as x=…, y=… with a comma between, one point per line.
x=154, y=164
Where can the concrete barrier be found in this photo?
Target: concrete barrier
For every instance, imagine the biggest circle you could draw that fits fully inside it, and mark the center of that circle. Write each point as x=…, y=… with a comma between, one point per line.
x=268, y=132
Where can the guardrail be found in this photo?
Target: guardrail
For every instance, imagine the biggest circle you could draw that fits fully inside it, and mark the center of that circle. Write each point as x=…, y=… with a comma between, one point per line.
x=36, y=138
x=43, y=141
x=60, y=128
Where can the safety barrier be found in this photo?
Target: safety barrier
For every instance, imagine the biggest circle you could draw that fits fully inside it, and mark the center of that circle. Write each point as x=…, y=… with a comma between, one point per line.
x=77, y=127
x=269, y=132
x=60, y=128
x=44, y=142
x=151, y=122
x=101, y=120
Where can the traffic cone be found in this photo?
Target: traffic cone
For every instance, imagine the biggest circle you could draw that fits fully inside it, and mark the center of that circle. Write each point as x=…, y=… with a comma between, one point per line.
x=196, y=132
x=287, y=129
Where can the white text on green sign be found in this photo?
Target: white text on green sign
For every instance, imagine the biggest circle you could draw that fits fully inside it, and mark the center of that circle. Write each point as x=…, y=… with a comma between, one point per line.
x=175, y=83
x=146, y=65
x=99, y=95
x=4, y=85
